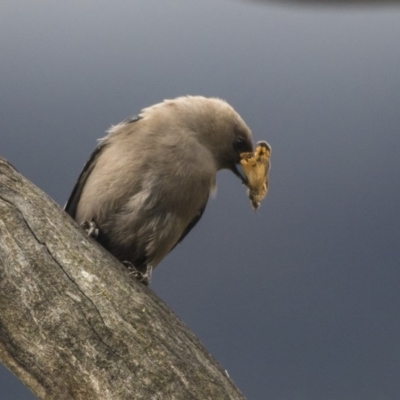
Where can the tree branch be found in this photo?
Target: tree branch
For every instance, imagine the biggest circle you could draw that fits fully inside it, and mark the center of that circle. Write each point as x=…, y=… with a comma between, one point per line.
x=75, y=325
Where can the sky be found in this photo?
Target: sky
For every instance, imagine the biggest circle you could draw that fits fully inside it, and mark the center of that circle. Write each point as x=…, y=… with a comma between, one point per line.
x=299, y=300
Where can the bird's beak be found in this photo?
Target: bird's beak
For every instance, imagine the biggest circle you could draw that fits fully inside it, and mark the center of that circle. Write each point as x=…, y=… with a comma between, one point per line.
x=239, y=172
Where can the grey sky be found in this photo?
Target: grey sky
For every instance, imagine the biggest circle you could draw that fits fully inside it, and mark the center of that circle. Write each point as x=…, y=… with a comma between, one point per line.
x=299, y=300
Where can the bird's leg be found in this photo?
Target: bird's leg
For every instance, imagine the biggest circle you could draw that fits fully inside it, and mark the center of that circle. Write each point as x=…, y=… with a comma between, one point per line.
x=147, y=275
x=144, y=277
x=90, y=228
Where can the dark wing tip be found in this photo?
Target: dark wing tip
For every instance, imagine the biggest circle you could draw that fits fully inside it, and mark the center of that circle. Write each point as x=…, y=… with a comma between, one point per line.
x=73, y=200
x=131, y=120
x=192, y=224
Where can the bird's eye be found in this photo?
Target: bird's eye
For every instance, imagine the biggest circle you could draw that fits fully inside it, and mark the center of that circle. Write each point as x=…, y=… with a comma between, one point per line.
x=240, y=144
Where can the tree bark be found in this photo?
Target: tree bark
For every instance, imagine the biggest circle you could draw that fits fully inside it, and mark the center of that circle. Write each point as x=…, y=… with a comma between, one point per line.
x=75, y=325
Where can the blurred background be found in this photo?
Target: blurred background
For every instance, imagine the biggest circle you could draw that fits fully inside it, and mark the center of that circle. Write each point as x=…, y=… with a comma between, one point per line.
x=300, y=300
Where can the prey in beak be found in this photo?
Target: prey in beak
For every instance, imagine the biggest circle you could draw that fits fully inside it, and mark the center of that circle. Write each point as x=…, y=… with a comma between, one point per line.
x=254, y=170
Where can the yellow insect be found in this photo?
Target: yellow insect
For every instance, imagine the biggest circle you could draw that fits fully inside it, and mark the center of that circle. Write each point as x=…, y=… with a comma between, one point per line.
x=256, y=167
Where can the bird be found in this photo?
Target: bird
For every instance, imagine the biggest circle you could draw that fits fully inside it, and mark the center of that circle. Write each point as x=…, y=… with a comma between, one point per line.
x=147, y=183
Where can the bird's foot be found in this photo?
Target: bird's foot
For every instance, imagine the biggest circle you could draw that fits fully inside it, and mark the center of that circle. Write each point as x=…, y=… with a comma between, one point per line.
x=141, y=276
x=90, y=228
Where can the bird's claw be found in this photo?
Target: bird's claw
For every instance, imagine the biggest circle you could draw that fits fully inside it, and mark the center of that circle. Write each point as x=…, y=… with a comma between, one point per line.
x=90, y=228
x=144, y=277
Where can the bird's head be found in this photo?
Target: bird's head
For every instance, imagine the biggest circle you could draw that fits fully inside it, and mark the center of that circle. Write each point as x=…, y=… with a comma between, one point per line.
x=219, y=128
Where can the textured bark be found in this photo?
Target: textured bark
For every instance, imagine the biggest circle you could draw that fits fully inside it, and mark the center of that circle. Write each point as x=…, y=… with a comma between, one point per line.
x=75, y=325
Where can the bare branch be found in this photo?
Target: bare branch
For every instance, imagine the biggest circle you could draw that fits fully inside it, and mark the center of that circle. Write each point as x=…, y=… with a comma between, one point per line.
x=74, y=325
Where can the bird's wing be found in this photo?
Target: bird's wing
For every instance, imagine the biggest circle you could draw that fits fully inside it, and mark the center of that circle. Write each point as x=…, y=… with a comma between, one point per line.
x=73, y=200
x=192, y=223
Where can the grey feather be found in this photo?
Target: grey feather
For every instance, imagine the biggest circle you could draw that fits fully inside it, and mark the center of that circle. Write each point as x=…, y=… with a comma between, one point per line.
x=148, y=182
x=75, y=196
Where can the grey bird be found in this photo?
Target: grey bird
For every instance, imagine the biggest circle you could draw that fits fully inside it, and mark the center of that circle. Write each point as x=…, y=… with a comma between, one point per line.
x=147, y=183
